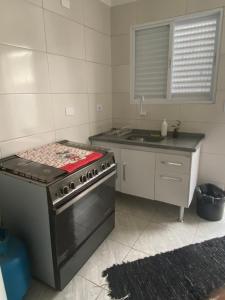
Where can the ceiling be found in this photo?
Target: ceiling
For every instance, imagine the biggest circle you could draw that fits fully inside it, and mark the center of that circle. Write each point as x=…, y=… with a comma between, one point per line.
x=117, y=2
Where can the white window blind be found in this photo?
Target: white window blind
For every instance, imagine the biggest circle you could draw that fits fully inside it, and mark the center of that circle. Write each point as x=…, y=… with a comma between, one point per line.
x=151, y=62
x=194, y=57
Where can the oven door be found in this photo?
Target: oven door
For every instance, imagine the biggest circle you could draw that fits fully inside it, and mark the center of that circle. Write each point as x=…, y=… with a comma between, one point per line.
x=75, y=221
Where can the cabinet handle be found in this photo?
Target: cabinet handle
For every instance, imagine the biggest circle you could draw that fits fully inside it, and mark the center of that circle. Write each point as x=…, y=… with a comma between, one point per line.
x=171, y=163
x=124, y=171
x=168, y=178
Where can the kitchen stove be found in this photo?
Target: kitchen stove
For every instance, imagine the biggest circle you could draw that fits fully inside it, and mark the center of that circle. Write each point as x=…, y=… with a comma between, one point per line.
x=60, y=199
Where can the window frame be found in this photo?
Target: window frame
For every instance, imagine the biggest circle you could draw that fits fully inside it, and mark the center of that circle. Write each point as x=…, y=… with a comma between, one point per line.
x=169, y=99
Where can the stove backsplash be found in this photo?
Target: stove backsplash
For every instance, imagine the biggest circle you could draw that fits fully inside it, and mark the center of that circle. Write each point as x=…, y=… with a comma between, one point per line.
x=55, y=66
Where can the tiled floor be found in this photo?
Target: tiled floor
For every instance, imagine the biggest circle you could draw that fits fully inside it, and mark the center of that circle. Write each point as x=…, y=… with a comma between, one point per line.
x=143, y=228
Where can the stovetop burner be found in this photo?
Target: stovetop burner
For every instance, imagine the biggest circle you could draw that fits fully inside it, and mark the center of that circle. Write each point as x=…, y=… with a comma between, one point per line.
x=31, y=170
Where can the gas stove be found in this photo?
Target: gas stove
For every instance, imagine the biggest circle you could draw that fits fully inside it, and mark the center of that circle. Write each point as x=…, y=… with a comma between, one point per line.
x=61, y=183
x=60, y=198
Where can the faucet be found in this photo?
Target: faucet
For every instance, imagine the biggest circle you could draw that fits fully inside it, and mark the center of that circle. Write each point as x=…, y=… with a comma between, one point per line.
x=142, y=100
x=176, y=128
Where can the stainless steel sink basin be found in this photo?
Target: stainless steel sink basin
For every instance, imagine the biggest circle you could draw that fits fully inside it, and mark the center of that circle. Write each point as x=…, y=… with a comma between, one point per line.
x=144, y=138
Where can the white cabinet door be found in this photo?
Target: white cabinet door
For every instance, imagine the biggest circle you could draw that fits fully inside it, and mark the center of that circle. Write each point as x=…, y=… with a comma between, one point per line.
x=138, y=173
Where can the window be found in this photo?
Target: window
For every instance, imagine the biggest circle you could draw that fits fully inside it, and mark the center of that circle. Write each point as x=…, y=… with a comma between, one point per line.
x=176, y=61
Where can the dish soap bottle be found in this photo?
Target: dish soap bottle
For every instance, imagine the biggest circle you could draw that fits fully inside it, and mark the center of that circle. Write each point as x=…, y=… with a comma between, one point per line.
x=164, y=128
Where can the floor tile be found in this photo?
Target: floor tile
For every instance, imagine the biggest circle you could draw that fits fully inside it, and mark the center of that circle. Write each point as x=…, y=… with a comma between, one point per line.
x=108, y=254
x=138, y=207
x=208, y=230
x=78, y=289
x=135, y=255
x=104, y=295
x=166, y=236
x=128, y=228
x=165, y=213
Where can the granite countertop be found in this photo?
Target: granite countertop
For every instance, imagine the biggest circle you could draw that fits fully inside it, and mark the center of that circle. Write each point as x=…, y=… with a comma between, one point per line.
x=187, y=142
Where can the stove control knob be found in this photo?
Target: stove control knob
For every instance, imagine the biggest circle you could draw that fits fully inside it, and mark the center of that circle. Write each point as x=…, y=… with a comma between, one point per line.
x=65, y=190
x=95, y=172
x=83, y=179
x=89, y=175
x=108, y=164
x=72, y=185
x=103, y=166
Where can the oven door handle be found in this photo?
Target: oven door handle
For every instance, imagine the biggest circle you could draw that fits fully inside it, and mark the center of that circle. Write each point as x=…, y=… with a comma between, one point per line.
x=84, y=193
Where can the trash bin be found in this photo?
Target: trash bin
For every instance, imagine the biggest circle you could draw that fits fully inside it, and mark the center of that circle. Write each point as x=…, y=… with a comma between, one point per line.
x=210, y=202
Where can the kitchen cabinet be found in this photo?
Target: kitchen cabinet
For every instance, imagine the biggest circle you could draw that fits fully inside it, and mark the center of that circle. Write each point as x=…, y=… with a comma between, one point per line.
x=168, y=176
x=138, y=172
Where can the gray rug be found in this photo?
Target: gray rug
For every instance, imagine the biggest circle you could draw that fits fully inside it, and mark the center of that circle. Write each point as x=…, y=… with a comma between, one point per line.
x=188, y=273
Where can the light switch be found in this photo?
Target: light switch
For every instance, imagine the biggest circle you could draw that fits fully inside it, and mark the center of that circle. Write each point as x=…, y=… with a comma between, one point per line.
x=66, y=3
x=99, y=107
x=69, y=111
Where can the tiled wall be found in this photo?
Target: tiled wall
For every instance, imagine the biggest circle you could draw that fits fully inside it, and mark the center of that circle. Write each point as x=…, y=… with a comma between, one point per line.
x=209, y=119
x=52, y=58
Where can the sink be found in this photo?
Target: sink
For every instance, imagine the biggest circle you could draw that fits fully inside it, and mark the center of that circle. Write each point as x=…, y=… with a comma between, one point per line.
x=119, y=132
x=144, y=138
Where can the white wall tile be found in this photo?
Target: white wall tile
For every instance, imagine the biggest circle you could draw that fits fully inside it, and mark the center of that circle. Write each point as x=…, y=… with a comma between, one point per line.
x=37, y=86
x=124, y=122
x=122, y=106
x=121, y=78
x=97, y=15
x=77, y=102
x=64, y=36
x=79, y=134
x=29, y=114
x=98, y=47
x=148, y=124
x=75, y=12
x=160, y=112
x=23, y=71
x=120, y=49
x=198, y=5
x=211, y=113
x=23, y=115
x=100, y=126
x=122, y=17
x=100, y=99
x=212, y=168
x=36, y=2
x=151, y=10
x=21, y=24
x=22, y=144
x=99, y=78
x=67, y=75
x=214, y=142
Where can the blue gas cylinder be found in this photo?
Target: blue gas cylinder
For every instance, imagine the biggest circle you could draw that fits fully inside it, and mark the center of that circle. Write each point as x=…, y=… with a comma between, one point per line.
x=14, y=264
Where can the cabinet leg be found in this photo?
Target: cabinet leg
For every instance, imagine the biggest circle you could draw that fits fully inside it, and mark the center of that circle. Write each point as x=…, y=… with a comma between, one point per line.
x=181, y=214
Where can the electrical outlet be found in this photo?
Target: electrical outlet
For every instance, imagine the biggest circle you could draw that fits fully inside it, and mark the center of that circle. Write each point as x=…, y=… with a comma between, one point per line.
x=65, y=3
x=69, y=111
x=99, y=107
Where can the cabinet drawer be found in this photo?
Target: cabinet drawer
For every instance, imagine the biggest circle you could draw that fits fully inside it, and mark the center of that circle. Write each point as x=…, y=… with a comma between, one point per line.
x=173, y=189
x=169, y=163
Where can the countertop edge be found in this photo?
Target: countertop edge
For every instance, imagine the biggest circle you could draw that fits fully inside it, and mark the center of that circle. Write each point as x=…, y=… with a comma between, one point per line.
x=101, y=138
